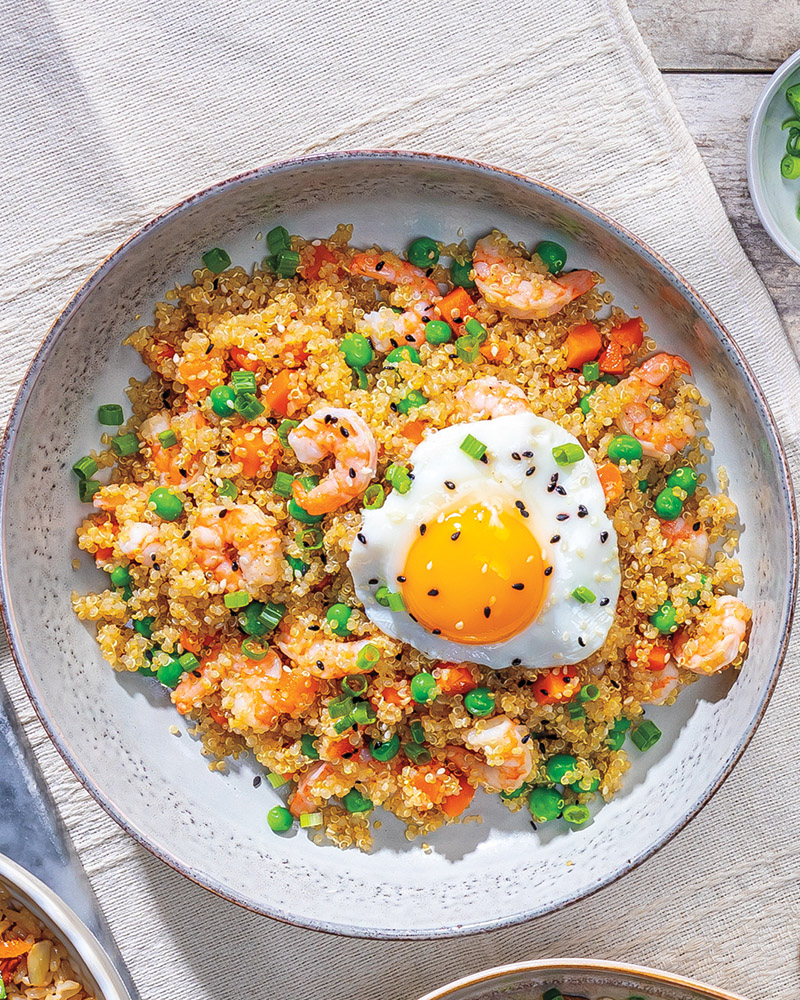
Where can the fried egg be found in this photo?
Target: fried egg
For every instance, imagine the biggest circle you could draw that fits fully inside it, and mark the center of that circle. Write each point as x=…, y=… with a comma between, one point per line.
x=505, y=560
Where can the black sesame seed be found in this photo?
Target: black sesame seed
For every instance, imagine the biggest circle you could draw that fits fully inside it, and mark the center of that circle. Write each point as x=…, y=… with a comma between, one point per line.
x=555, y=538
x=423, y=528
x=455, y=536
x=223, y=454
x=373, y=581
x=457, y=319
x=315, y=628
x=516, y=456
x=334, y=420
x=413, y=619
x=527, y=454
x=428, y=272
x=223, y=512
x=351, y=473
x=183, y=472
x=235, y=567
x=603, y=536
x=393, y=406
x=436, y=631
x=347, y=756
x=361, y=538
x=604, y=602
x=554, y=478
x=196, y=673
x=209, y=349
x=519, y=505
x=485, y=459
x=411, y=475
x=186, y=533
x=328, y=418
x=449, y=485
x=344, y=432
x=401, y=579
x=551, y=486
x=433, y=592
x=548, y=570
x=393, y=342
x=525, y=513
x=380, y=265
x=410, y=338
x=256, y=781
x=516, y=662
x=582, y=511
x=425, y=319
x=561, y=517
x=156, y=566
x=696, y=526
x=320, y=665
x=561, y=491
x=531, y=471
x=581, y=641
x=517, y=586
x=487, y=612
x=525, y=738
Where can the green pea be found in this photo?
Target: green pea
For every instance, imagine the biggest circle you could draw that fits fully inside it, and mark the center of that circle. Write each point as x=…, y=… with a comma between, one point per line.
x=411, y=401
x=308, y=742
x=424, y=688
x=144, y=626
x=280, y=819
x=665, y=618
x=584, y=402
x=438, y=332
x=479, y=702
x=460, y=273
x=704, y=585
x=553, y=255
x=404, y=353
x=249, y=620
x=685, y=479
x=120, y=576
x=357, y=350
x=624, y=448
x=168, y=505
x=559, y=767
x=355, y=802
x=668, y=504
x=522, y=790
x=171, y=672
x=338, y=615
x=423, y=252
x=593, y=786
x=545, y=804
x=387, y=750
x=222, y=399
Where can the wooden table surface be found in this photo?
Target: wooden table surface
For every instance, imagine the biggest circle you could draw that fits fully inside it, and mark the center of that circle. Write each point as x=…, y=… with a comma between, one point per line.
x=716, y=57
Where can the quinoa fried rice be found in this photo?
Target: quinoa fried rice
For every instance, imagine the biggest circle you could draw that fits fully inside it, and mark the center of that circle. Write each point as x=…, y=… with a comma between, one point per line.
x=226, y=554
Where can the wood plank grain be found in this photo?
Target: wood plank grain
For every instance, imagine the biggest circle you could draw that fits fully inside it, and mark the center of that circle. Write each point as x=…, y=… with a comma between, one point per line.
x=709, y=35
x=716, y=108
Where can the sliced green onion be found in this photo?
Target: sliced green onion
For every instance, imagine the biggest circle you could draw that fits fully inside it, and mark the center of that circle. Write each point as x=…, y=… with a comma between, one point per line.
x=363, y=713
x=243, y=381
x=790, y=166
x=216, y=260
x=360, y=380
x=278, y=239
x=369, y=657
x=341, y=706
x=398, y=478
x=584, y=595
x=285, y=263
x=417, y=731
x=110, y=414
x=343, y=724
x=168, y=439
x=355, y=685
x=277, y=780
x=576, y=711
x=253, y=649
x=308, y=820
x=283, y=431
x=228, y=489
x=385, y=751
x=382, y=596
x=355, y=802
x=576, y=813
x=476, y=330
x=283, y=484
x=87, y=489
x=85, y=468
x=553, y=994
x=308, y=482
x=792, y=123
x=144, y=626
x=467, y=348
x=297, y=566
x=417, y=754
x=473, y=447
x=247, y=406
x=309, y=539
x=271, y=614
x=125, y=444
x=238, y=599
x=589, y=692
x=646, y=735
x=568, y=454
x=188, y=662
x=374, y=496
x=591, y=371
x=396, y=602
x=309, y=744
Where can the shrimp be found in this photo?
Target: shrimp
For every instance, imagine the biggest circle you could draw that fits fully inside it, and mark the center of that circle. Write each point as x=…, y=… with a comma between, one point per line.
x=328, y=658
x=173, y=464
x=662, y=683
x=659, y=438
x=507, y=760
x=485, y=398
x=717, y=637
x=141, y=542
x=238, y=545
x=194, y=687
x=345, y=435
x=385, y=327
x=255, y=693
x=257, y=448
x=690, y=538
x=510, y=283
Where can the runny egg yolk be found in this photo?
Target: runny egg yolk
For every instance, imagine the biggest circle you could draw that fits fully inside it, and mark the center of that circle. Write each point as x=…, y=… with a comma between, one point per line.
x=475, y=575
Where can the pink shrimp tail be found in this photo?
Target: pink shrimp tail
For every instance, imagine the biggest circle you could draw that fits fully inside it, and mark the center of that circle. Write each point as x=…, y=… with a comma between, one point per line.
x=577, y=282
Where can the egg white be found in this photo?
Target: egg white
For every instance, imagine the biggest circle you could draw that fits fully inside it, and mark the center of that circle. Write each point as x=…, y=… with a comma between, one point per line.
x=585, y=554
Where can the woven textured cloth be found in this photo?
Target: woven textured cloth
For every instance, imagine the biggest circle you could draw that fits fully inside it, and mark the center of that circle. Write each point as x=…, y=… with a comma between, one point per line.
x=112, y=113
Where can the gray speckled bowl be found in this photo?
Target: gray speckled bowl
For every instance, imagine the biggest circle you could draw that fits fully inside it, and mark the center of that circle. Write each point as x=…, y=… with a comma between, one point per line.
x=90, y=962
x=578, y=980
x=114, y=731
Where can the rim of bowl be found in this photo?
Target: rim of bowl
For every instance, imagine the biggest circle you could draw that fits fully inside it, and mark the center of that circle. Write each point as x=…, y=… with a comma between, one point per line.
x=67, y=925
x=575, y=965
x=754, y=181
x=459, y=163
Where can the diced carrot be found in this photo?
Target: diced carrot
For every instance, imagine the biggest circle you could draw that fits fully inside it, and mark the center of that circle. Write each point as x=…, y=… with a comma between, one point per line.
x=556, y=686
x=623, y=340
x=454, y=805
x=201, y=374
x=454, y=308
x=218, y=717
x=191, y=643
x=583, y=344
x=103, y=555
x=248, y=448
x=8, y=966
x=658, y=659
x=396, y=696
x=242, y=359
x=495, y=350
x=611, y=480
x=320, y=255
x=413, y=430
x=13, y=949
x=454, y=678
x=428, y=780
x=337, y=748
x=276, y=395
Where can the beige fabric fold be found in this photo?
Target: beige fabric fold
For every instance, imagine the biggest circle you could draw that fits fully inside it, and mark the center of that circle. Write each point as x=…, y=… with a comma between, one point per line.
x=112, y=113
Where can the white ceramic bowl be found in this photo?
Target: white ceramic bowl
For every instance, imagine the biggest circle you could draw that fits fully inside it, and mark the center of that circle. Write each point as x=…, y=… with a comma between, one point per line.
x=113, y=729
x=776, y=199
x=94, y=968
x=578, y=978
